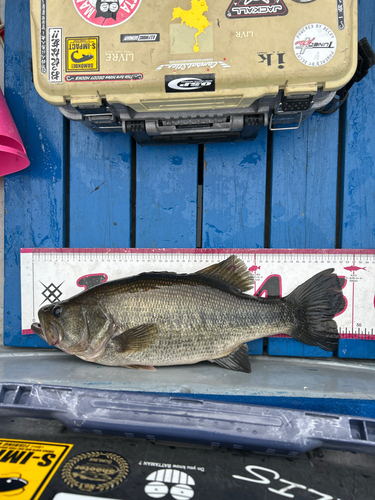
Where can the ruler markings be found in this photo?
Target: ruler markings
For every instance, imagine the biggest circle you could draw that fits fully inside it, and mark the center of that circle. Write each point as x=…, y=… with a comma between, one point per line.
x=302, y=259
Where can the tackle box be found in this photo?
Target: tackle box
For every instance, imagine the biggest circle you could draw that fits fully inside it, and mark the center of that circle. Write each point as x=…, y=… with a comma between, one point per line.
x=192, y=70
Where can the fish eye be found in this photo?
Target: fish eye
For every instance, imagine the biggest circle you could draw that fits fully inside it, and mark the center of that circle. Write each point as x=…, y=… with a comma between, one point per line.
x=56, y=311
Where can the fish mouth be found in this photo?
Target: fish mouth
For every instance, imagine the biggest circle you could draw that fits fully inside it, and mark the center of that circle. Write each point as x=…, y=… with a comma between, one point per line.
x=56, y=337
x=38, y=329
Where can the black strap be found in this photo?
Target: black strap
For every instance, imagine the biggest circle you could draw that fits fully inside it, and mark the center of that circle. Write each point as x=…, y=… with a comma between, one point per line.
x=366, y=59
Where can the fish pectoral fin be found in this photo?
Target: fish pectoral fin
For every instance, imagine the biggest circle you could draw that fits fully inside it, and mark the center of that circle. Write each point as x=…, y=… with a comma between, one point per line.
x=141, y=367
x=238, y=360
x=135, y=339
x=231, y=271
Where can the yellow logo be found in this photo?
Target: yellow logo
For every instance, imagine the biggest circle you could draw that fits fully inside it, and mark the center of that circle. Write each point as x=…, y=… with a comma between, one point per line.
x=194, y=18
x=26, y=467
x=82, y=54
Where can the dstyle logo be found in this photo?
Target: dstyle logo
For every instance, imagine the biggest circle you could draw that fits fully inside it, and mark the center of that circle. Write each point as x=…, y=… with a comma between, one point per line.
x=190, y=83
x=106, y=13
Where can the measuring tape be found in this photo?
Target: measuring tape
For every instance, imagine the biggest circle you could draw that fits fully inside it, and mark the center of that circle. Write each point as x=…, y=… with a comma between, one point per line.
x=50, y=275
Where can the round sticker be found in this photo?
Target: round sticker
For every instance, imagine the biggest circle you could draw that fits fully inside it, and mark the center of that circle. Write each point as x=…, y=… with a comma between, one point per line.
x=106, y=13
x=315, y=45
x=95, y=471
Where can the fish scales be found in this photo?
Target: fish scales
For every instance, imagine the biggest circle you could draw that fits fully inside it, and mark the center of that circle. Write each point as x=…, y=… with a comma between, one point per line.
x=158, y=319
x=197, y=318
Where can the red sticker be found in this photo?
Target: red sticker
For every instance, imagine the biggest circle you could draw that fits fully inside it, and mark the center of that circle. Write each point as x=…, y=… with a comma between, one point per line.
x=106, y=13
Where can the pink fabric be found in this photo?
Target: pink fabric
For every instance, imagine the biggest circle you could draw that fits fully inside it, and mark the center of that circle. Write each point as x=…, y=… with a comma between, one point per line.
x=13, y=155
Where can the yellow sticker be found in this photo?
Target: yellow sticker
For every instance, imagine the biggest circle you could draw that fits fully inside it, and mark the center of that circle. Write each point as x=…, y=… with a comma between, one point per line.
x=193, y=18
x=26, y=467
x=82, y=54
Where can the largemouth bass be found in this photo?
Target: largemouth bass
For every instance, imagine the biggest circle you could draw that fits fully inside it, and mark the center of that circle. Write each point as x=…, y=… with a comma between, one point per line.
x=161, y=318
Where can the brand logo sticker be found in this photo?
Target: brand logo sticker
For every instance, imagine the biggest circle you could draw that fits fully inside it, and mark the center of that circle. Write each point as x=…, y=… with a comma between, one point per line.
x=95, y=471
x=82, y=54
x=315, y=45
x=110, y=77
x=256, y=8
x=55, y=55
x=140, y=37
x=106, y=13
x=190, y=83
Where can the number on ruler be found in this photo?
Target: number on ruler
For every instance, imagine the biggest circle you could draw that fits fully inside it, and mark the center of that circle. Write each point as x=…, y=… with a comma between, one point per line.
x=271, y=287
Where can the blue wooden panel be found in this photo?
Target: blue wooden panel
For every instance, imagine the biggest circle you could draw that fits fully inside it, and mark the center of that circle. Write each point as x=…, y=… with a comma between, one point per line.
x=279, y=346
x=255, y=347
x=303, y=198
x=356, y=349
x=34, y=197
x=304, y=185
x=234, y=194
x=358, y=225
x=234, y=198
x=358, y=177
x=166, y=198
x=100, y=188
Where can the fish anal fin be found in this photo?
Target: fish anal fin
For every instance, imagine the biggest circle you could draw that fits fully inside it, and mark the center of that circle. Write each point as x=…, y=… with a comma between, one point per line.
x=141, y=367
x=231, y=271
x=135, y=339
x=238, y=360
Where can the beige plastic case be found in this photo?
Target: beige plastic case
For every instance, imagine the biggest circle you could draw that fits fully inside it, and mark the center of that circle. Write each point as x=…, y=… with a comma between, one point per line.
x=113, y=62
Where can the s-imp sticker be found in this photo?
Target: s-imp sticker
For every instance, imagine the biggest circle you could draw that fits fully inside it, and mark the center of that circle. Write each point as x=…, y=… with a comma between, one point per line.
x=82, y=54
x=26, y=467
x=315, y=45
x=95, y=471
x=106, y=13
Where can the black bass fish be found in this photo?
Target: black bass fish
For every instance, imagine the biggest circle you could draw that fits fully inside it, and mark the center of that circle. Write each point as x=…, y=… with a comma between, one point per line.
x=161, y=318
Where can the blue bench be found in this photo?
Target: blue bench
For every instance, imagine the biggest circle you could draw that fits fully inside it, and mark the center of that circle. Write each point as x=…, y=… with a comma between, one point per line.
x=310, y=188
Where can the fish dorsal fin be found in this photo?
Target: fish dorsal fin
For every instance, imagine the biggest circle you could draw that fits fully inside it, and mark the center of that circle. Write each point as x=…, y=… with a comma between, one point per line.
x=238, y=360
x=231, y=270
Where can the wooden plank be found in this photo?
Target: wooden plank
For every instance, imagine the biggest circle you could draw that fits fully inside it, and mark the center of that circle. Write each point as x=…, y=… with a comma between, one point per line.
x=358, y=224
x=358, y=176
x=34, y=197
x=304, y=185
x=303, y=199
x=234, y=194
x=234, y=198
x=100, y=188
x=166, y=206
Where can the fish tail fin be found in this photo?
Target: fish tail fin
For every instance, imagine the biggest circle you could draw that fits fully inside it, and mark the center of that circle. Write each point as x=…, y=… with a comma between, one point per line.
x=315, y=303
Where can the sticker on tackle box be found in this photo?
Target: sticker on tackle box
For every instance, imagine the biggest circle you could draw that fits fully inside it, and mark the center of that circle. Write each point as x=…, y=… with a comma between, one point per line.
x=315, y=45
x=55, y=55
x=26, y=467
x=106, y=13
x=82, y=54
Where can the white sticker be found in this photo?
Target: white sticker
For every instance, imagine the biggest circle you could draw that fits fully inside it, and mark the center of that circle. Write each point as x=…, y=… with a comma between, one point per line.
x=315, y=45
x=55, y=55
x=177, y=483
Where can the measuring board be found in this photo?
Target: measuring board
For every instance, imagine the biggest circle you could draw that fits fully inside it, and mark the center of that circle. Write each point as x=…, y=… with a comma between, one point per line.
x=51, y=275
